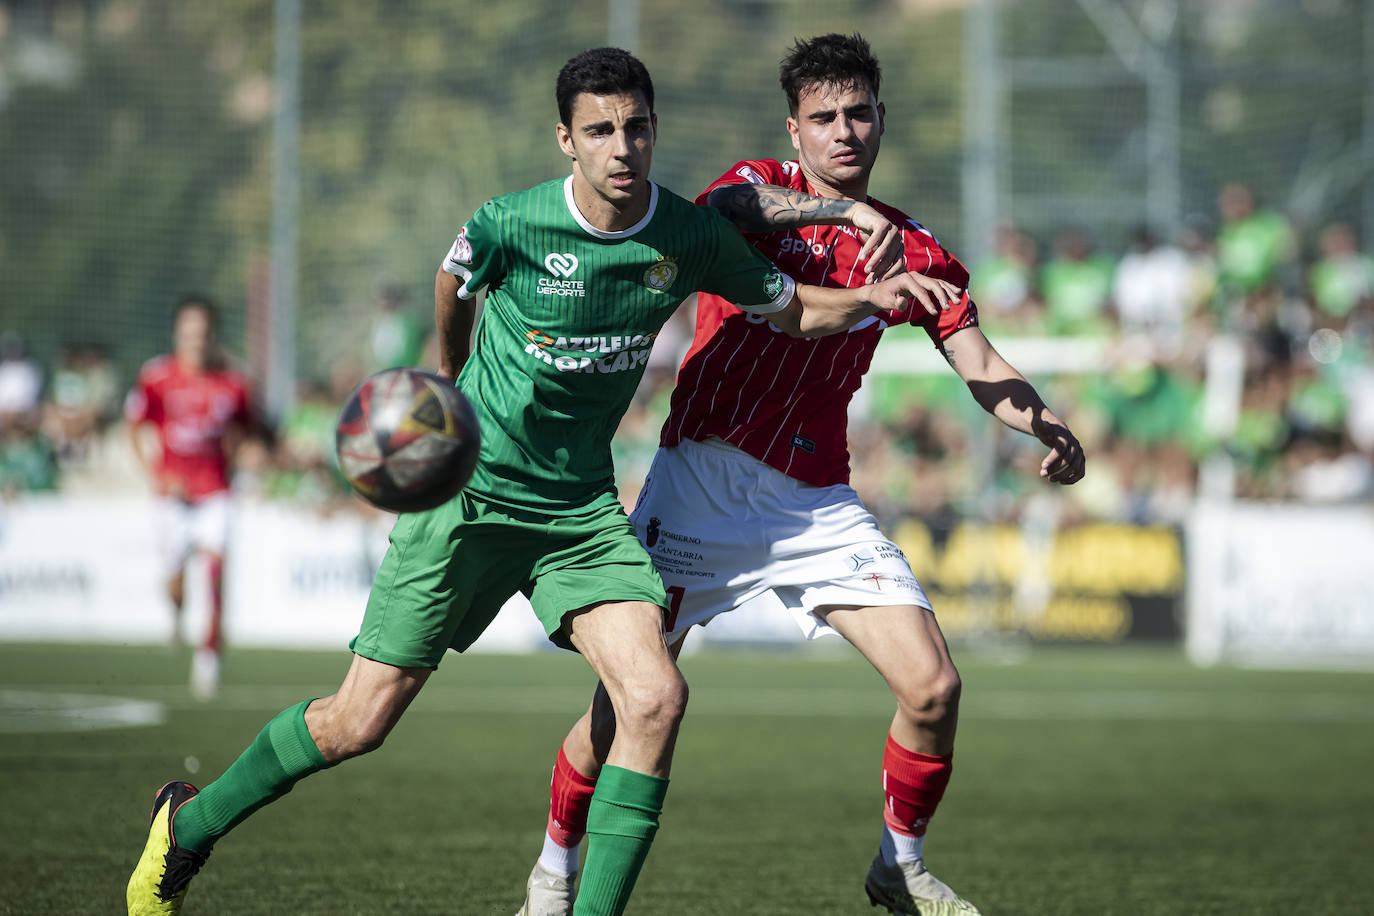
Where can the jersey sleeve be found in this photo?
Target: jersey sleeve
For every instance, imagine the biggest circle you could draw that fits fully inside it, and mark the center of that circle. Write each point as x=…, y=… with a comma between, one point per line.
x=477, y=256
x=749, y=171
x=743, y=276
x=925, y=255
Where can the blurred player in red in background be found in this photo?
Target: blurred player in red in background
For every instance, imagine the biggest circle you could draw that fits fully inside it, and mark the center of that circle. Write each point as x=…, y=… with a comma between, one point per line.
x=748, y=496
x=199, y=408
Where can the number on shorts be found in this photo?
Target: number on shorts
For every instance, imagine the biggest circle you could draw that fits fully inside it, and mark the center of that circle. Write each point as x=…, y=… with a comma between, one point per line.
x=675, y=593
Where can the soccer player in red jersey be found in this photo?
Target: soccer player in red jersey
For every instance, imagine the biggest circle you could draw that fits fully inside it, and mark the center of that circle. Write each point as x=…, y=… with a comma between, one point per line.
x=755, y=442
x=199, y=408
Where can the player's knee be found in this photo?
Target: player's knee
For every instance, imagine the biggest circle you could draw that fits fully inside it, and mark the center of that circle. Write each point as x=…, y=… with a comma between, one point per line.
x=931, y=700
x=342, y=737
x=653, y=706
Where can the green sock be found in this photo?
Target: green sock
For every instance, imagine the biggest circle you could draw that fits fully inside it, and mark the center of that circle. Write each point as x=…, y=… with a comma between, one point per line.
x=281, y=755
x=621, y=824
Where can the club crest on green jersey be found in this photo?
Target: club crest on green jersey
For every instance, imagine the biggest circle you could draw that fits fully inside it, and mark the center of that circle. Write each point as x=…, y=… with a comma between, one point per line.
x=772, y=287
x=661, y=275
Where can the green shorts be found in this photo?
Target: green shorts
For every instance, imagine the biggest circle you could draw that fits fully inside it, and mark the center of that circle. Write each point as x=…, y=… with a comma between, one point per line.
x=448, y=571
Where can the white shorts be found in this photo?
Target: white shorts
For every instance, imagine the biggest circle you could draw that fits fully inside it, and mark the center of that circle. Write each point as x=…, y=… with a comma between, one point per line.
x=185, y=528
x=724, y=528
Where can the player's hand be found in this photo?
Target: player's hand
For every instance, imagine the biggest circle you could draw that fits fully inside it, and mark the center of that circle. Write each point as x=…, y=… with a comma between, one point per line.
x=884, y=251
x=933, y=294
x=1066, y=462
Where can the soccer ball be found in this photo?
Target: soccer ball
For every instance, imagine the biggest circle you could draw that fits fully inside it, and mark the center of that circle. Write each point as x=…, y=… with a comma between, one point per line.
x=407, y=440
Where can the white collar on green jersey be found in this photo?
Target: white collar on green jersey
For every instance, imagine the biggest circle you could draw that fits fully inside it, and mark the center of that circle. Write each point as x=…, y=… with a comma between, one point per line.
x=602, y=233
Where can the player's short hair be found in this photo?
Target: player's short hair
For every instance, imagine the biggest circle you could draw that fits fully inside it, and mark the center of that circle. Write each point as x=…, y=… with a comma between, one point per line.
x=845, y=61
x=601, y=71
x=197, y=301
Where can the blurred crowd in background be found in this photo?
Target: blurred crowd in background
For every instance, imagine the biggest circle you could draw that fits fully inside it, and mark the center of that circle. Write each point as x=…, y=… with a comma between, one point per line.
x=1295, y=304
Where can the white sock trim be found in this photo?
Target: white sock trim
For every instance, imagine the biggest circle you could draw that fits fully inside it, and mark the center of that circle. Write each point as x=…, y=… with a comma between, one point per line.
x=559, y=859
x=898, y=847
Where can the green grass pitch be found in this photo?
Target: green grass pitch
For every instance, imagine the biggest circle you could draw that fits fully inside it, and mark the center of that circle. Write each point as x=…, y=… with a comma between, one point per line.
x=1086, y=782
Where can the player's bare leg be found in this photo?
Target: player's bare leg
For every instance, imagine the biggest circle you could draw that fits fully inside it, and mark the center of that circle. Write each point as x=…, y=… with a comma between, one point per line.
x=905, y=645
x=299, y=741
x=357, y=718
x=637, y=710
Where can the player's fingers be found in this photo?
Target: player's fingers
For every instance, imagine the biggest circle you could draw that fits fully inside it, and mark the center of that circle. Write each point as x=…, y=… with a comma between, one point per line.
x=923, y=296
x=1064, y=464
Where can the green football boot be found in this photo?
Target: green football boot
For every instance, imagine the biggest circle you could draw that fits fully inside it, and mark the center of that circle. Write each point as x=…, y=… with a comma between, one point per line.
x=164, y=871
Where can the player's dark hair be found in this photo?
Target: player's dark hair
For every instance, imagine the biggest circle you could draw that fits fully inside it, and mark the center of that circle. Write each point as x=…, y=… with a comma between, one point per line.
x=601, y=71
x=845, y=61
x=197, y=301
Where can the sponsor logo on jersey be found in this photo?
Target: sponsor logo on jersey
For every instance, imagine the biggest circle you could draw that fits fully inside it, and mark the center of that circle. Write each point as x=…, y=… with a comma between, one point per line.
x=748, y=174
x=661, y=275
x=597, y=354
x=561, y=265
x=651, y=536
x=858, y=561
x=804, y=444
x=876, y=578
x=461, y=252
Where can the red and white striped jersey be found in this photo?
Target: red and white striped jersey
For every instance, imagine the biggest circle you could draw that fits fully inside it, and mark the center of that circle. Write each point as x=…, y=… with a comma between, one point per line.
x=192, y=412
x=785, y=400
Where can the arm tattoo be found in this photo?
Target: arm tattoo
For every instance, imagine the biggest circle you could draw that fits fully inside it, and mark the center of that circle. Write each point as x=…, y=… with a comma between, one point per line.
x=767, y=208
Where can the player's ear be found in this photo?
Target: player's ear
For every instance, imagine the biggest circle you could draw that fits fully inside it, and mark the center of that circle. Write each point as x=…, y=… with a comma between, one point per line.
x=653, y=122
x=792, y=130
x=564, y=140
x=882, y=118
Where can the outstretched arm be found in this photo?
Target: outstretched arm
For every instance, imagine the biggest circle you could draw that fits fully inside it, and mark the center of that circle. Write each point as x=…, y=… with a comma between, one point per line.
x=769, y=208
x=1004, y=393
x=816, y=311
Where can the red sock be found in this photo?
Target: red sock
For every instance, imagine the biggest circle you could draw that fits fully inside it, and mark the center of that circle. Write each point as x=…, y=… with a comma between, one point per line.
x=215, y=567
x=570, y=796
x=914, y=784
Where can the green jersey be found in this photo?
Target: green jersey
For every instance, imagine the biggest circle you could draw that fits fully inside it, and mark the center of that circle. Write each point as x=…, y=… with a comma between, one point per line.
x=571, y=314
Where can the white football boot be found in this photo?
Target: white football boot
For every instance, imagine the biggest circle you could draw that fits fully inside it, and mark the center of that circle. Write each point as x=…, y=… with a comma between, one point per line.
x=909, y=890
x=548, y=893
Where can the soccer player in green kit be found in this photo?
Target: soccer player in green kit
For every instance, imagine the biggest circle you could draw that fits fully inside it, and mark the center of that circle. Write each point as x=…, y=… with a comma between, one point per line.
x=580, y=274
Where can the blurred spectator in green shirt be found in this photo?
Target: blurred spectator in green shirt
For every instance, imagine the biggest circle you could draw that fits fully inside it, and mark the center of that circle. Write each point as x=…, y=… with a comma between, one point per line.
x=1003, y=286
x=1344, y=276
x=1076, y=285
x=1253, y=246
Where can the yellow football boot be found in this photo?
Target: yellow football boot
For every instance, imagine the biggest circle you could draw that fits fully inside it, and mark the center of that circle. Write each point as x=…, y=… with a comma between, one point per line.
x=164, y=871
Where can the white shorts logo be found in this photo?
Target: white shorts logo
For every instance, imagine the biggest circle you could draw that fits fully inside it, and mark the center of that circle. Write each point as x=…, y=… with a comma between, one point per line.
x=561, y=265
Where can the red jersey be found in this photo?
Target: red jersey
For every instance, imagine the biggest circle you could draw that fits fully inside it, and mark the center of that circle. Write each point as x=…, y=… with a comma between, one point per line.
x=782, y=399
x=192, y=411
